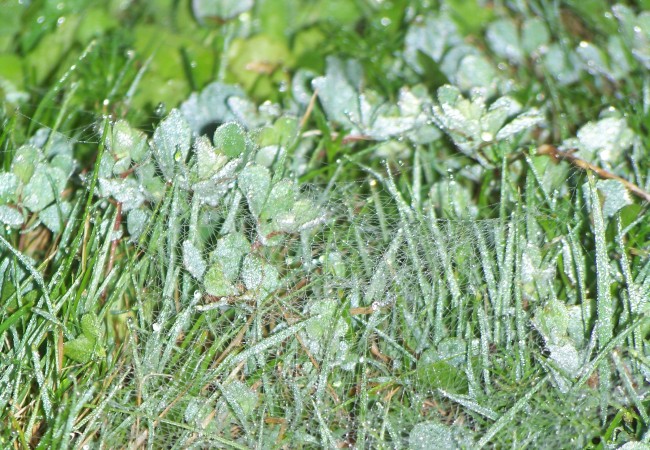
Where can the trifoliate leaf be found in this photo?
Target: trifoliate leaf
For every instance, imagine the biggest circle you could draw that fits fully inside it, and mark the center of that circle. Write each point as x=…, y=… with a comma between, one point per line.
x=153, y=186
x=431, y=36
x=606, y=139
x=563, y=67
x=126, y=191
x=88, y=344
x=80, y=349
x=552, y=321
x=476, y=72
x=242, y=395
x=280, y=199
x=339, y=91
x=525, y=121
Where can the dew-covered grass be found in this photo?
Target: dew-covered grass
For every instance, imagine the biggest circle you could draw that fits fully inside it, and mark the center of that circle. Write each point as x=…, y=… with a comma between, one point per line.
x=327, y=224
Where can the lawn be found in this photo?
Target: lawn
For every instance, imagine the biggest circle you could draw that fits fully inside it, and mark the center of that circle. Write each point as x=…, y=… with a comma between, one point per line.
x=325, y=224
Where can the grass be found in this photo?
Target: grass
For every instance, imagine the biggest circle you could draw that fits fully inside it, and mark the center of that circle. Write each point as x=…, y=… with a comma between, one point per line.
x=334, y=271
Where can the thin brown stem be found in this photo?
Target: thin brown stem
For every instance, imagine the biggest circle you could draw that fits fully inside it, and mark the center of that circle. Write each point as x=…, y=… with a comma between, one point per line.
x=559, y=155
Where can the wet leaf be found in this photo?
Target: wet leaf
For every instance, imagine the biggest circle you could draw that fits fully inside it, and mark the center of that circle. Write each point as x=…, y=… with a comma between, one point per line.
x=216, y=283
x=8, y=187
x=430, y=434
x=606, y=139
x=254, y=182
x=219, y=9
x=230, y=252
x=616, y=196
x=503, y=37
x=10, y=216
x=55, y=215
x=230, y=139
x=136, y=222
x=208, y=161
x=209, y=108
x=534, y=35
x=172, y=141
x=25, y=160
x=38, y=192
x=259, y=275
x=193, y=260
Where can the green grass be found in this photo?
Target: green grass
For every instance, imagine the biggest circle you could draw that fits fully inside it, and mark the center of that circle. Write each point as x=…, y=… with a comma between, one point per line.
x=387, y=262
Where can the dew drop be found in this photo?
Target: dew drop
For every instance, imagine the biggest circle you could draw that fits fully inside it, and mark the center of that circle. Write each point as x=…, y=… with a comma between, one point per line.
x=486, y=136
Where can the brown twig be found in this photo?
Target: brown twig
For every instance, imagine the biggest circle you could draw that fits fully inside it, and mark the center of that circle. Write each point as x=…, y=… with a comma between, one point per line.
x=559, y=155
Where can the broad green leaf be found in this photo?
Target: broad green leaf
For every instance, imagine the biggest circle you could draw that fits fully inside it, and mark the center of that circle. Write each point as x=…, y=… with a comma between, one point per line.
x=91, y=327
x=606, y=139
x=230, y=139
x=230, y=252
x=55, y=215
x=245, y=397
x=88, y=345
x=476, y=72
x=431, y=434
x=38, y=193
x=534, y=35
x=11, y=216
x=25, y=160
x=8, y=187
x=80, y=349
x=280, y=199
x=615, y=194
x=552, y=321
x=126, y=191
x=136, y=222
x=216, y=283
x=208, y=161
x=254, y=182
x=172, y=141
x=442, y=367
x=431, y=36
x=206, y=110
x=193, y=260
x=503, y=38
x=127, y=142
x=259, y=275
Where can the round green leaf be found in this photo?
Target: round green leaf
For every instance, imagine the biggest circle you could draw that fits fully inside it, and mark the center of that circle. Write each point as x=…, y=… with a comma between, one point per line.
x=230, y=139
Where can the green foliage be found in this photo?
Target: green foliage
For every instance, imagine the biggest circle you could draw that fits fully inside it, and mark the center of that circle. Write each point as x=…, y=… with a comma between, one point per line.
x=324, y=224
